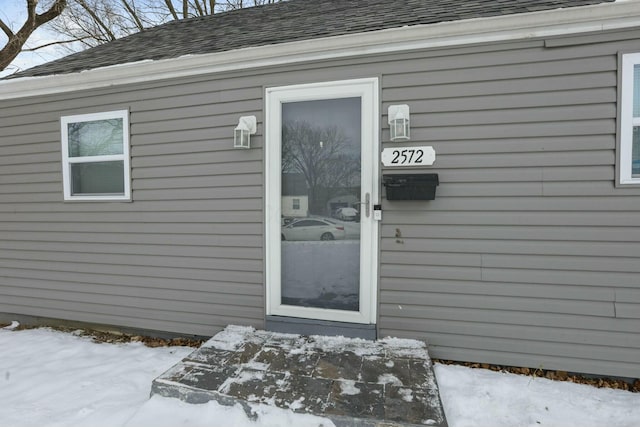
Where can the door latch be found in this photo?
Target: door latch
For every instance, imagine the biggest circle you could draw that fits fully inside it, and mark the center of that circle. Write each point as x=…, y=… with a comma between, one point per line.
x=367, y=205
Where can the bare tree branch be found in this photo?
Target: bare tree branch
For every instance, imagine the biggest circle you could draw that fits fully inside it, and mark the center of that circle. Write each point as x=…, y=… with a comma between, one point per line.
x=97, y=19
x=31, y=10
x=34, y=20
x=6, y=29
x=198, y=6
x=54, y=11
x=133, y=15
x=171, y=9
x=60, y=42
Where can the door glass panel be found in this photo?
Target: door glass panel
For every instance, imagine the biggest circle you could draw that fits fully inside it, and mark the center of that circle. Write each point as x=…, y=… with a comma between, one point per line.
x=320, y=203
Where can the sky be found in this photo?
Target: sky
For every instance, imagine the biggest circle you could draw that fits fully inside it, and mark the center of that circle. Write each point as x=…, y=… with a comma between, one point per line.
x=13, y=13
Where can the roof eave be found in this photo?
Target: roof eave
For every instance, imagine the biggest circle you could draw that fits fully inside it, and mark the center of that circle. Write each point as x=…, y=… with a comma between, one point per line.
x=602, y=17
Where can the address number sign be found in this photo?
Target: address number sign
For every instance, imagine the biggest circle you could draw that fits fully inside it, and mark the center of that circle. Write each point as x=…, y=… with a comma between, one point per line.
x=408, y=156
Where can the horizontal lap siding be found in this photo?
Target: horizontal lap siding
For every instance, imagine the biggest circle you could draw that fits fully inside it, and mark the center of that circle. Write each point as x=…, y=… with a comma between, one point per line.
x=529, y=255
x=185, y=256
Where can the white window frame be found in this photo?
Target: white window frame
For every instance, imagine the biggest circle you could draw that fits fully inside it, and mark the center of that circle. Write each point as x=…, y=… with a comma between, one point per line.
x=627, y=121
x=124, y=157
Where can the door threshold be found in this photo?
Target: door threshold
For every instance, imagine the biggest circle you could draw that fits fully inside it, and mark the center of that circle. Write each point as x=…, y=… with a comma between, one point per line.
x=294, y=325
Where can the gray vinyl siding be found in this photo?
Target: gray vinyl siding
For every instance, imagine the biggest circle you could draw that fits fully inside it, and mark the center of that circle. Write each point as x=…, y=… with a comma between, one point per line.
x=185, y=256
x=528, y=256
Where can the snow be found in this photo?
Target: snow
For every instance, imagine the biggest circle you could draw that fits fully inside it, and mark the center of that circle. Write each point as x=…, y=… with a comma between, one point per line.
x=14, y=324
x=478, y=397
x=52, y=378
x=389, y=379
x=230, y=338
x=407, y=394
x=243, y=377
x=55, y=379
x=348, y=388
x=164, y=412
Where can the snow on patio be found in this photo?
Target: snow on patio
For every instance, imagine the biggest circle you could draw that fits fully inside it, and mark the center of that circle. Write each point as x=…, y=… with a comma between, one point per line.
x=50, y=378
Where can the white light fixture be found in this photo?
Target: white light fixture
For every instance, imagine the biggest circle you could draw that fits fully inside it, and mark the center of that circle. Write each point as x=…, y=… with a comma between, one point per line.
x=399, y=122
x=242, y=133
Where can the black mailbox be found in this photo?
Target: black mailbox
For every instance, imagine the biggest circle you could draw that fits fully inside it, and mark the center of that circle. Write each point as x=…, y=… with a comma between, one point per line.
x=420, y=186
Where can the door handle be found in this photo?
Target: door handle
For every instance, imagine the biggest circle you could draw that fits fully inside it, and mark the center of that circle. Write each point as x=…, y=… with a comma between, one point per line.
x=367, y=205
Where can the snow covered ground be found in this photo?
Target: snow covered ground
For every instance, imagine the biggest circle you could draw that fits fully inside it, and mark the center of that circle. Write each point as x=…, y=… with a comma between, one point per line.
x=55, y=379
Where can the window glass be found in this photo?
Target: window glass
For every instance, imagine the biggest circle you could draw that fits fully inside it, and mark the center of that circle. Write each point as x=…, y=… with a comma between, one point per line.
x=635, y=153
x=97, y=178
x=95, y=138
x=636, y=90
x=635, y=145
x=296, y=204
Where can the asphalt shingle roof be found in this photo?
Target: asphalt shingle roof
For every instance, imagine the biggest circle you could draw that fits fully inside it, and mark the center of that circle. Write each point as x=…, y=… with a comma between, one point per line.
x=294, y=20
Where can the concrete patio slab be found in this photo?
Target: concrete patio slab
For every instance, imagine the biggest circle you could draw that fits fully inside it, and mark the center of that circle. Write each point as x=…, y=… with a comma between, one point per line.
x=353, y=382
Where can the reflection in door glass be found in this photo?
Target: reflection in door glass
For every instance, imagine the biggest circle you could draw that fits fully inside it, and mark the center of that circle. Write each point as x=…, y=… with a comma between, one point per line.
x=320, y=203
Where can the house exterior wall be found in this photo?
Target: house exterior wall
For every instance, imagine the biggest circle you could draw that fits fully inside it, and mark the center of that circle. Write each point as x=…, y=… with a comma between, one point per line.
x=528, y=256
x=184, y=256
x=289, y=204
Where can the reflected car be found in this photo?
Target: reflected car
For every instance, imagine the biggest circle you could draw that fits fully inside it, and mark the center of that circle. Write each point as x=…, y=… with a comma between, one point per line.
x=286, y=220
x=312, y=229
x=347, y=214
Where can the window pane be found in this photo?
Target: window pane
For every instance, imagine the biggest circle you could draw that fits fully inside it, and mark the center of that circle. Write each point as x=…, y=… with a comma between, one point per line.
x=321, y=166
x=95, y=138
x=636, y=90
x=635, y=153
x=97, y=178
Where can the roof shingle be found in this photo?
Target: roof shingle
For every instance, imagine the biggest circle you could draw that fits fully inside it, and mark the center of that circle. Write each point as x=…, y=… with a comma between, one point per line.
x=293, y=20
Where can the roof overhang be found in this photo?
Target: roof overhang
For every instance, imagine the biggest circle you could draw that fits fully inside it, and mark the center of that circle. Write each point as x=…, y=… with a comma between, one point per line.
x=557, y=22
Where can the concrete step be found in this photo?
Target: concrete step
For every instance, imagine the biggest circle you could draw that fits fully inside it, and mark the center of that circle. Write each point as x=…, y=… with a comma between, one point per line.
x=353, y=382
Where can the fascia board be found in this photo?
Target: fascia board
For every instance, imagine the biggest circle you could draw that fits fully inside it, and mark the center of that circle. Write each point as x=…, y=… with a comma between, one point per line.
x=609, y=16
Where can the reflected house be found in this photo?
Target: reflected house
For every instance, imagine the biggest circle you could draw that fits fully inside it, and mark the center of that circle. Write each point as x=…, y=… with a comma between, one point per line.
x=295, y=197
x=346, y=200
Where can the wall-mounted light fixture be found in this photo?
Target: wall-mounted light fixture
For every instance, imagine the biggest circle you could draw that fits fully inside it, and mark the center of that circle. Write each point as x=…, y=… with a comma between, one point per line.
x=399, y=122
x=242, y=133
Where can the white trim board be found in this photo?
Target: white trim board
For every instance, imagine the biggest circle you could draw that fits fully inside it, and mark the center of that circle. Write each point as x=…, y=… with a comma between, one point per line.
x=627, y=120
x=608, y=16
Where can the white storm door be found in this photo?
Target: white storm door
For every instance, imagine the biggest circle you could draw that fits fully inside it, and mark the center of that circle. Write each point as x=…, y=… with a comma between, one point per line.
x=322, y=148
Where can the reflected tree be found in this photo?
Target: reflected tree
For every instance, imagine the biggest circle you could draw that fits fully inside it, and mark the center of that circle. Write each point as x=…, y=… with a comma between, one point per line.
x=324, y=157
x=96, y=138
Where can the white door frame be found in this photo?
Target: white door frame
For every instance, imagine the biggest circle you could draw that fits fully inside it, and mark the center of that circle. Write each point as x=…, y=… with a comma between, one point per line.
x=367, y=90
